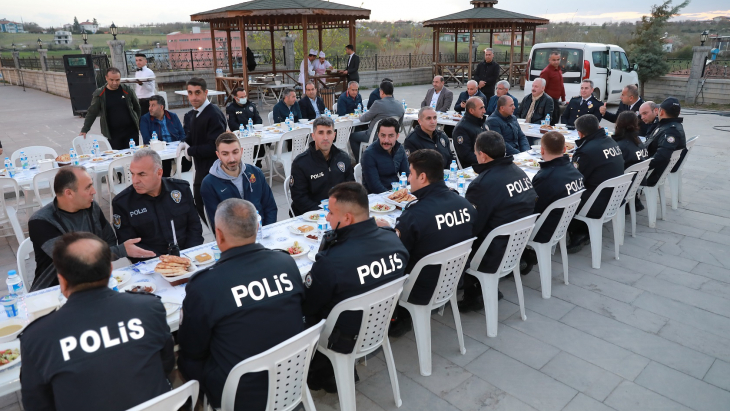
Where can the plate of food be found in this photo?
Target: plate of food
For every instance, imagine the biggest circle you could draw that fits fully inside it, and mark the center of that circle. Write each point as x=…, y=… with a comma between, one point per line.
x=122, y=277
x=141, y=287
x=171, y=308
x=411, y=111
x=468, y=175
x=85, y=156
x=545, y=128
x=9, y=354
x=301, y=229
x=311, y=216
x=98, y=159
x=296, y=249
x=531, y=164
x=173, y=266
x=381, y=208
x=203, y=259
x=110, y=151
x=400, y=197
x=313, y=236
x=387, y=220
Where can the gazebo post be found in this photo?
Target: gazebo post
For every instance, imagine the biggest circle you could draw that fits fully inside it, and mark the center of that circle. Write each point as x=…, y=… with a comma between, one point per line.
x=319, y=34
x=230, y=51
x=491, y=37
x=471, y=55
x=306, y=50
x=456, y=50
x=353, y=33
x=522, y=44
x=215, y=52
x=273, y=53
x=534, y=35
x=434, y=39
x=511, y=53
x=242, y=30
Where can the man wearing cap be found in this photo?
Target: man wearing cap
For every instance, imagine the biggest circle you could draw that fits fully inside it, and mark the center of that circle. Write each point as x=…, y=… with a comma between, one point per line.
x=668, y=137
x=144, y=90
x=309, y=66
x=321, y=65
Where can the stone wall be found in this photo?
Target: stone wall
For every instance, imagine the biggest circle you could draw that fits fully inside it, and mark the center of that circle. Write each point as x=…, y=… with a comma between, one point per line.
x=48, y=81
x=714, y=91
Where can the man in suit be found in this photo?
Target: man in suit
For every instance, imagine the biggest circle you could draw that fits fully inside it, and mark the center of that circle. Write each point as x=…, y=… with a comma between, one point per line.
x=203, y=124
x=311, y=105
x=387, y=106
x=630, y=100
x=439, y=96
x=472, y=90
x=288, y=104
x=375, y=94
x=353, y=64
x=583, y=104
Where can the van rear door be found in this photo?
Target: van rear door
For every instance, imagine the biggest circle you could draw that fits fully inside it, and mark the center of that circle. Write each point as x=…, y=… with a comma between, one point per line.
x=615, y=76
x=599, y=74
x=571, y=62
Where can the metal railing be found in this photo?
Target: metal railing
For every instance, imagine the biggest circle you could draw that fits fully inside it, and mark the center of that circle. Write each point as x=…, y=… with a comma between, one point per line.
x=7, y=62
x=55, y=64
x=718, y=69
x=30, y=63
x=191, y=60
x=679, y=65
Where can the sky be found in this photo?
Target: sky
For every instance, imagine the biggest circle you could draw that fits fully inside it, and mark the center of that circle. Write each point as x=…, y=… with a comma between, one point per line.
x=135, y=12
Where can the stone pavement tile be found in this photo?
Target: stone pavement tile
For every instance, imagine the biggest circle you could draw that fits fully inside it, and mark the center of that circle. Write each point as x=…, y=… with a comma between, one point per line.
x=717, y=238
x=694, y=393
x=656, y=234
x=602, y=285
x=527, y=384
x=582, y=402
x=580, y=344
x=476, y=394
x=714, y=272
x=698, y=340
x=719, y=375
x=708, y=209
x=445, y=343
x=684, y=313
x=374, y=365
x=505, y=310
x=683, y=225
x=627, y=270
x=705, y=251
x=631, y=397
x=725, y=230
x=331, y=402
x=12, y=407
x=648, y=345
x=716, y=288
x=686, y=295
x=415, y=397
x=553, y=308
x=582, y=375
x=682, y=278
x=9, y=399
x=660, y=257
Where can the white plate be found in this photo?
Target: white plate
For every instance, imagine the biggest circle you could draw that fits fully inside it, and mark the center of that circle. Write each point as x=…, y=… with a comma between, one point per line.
x=294, y=228
x=390, y=208
x=305, y=249
x=110, y=152
x=10, y=345
x=123, y=277
x=198, y=263
x=314, y=240
x=306, y=216
x=143, y=283
x=399, y=204
x=388, y=220
x=171, y=308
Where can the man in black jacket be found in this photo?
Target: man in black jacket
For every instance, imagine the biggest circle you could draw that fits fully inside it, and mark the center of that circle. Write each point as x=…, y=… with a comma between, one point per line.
x=203, y=124
x=630, y=100
x=467, y=130
x=311, y=105
x=505, y=123
x=224, y=303
x=586, y=103
x=241, y=110
x=536, y=106
x=649, y=114
x=471, y=91
x=427, y=135
x=353, y=64
x=317, y=170
x=668, y=137
x=487, y=74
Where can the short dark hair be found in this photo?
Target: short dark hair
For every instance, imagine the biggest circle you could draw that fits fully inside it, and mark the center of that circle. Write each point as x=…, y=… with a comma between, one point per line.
x=113, y=70
x=388, y=122
x=352, y=193
x=322, y=121
x=554, y=142
x=66, y=178
x=140, y=55
x=197, y=82
x=350, y=46
x=503, y=101
x=587, y=124
x=490, y=143
x=286, y=92
x=554, y=52
x=387, y=79
x=226, y=138
x=158, y=99
x=387, y=88
x=78, y=268
x=235, y=91
x=428, y=161
x=633, y=90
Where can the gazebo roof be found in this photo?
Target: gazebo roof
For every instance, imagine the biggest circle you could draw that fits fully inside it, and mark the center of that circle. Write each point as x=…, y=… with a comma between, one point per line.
x=484, y=16
x=262, y=8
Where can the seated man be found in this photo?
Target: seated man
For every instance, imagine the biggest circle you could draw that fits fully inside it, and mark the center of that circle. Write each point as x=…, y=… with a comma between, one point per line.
x=73, y=209
x=347, y=102
x=375, y=94
x=438, y=97
x=385, y=159
x=287, y=105
x=472, y=90
x=148, y=208
x=649, y=114
x=232, y=178
x=501, y=90
x=311, y=104
x=222, y=306
x=385, y=107
x=668, y=137
x=427, y=135
x=505, y=123
x=168, y=127
x=630, y=100
x=536, y=106
x=131, y=365
x=502, y=193
x=467, y=130
x=338, y=273
x=423, y=229
x=583, y=104
x=317, y=170
x=241, y=110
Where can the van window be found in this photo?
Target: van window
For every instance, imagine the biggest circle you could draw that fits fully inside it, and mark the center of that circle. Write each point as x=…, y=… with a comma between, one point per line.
x=615, y=60
x=600, y=59
x=624, y=62
x=571, y=61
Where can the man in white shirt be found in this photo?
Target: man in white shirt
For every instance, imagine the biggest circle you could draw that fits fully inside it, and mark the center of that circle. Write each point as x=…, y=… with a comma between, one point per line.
x=310, y=66
x=146, y=89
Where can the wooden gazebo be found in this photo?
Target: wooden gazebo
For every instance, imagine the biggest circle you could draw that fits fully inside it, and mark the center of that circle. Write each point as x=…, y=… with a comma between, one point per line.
x=277, y=15
x=483, y=18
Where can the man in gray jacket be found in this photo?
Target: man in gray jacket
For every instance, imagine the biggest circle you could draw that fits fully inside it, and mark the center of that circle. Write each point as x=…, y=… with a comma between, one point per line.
x=438, y=97
x=505, y=123
x=385, y=107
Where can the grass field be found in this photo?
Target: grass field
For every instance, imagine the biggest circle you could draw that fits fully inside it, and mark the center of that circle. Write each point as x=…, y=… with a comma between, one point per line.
x=98, y=40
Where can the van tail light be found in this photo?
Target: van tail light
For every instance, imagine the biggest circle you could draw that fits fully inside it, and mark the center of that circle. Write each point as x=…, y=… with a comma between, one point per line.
x=527, y=71
x=586, y=69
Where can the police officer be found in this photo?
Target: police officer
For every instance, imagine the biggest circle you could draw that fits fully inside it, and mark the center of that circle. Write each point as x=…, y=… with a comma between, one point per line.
x=626, y=135
x=649, y=114
x=317, y=170
x=232, y=314
x=241, y=110
x=598, y=158
x=501, y=193
x=467, y=130
x=102, y=350
x=583, y=104
x=357, y=257
x=426, y=135
x=668, y=137
x=147, y=208
x=438, y=219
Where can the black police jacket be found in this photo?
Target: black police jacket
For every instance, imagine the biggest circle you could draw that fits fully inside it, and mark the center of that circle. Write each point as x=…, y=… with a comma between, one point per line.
x=465, y=135
x=240, y=114
x=362, y=257
x=419, y=140
x=102, y=350
x=668, y=137
x=248, y=302
x=312, y=177
x=438, y=219
x=556, y=179
x=501, y=193
x=147, y=217
x=648, y=129
x=598, y=158
x=631, y=152
x=577, y=107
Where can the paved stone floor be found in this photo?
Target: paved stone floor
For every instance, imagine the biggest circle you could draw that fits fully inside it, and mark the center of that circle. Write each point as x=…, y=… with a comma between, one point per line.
x=650, y=331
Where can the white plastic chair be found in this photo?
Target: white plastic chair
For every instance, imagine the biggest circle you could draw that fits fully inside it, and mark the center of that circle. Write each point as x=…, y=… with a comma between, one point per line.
x=42, y=180
x=452, y=261
x=377, y=309
x=287, y=194
x=452, y=149
x=640, y=170
x=15, y=223
x=85, y=145
x=172, y=400
x=299, y=145
x=519, y=233
x=24, y=250
x=189, y=175
x=271, y=118
x=343, y=130
x=657, y=191
x=357, y=171
x=569, y=205
x=34, y=153
x=248, y=149
x=372, y=137
x=675, y=178
x=5, y=183
x=113, y=187
x=620, y=186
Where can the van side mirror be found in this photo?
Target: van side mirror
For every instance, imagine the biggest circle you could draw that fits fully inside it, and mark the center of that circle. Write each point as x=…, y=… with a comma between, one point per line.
x=634, y=67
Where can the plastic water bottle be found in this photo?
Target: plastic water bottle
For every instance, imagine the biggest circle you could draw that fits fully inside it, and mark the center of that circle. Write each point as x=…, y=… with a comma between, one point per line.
x=259, y=231
x=154, y=136
x=250, y=126
x=23, y=161
x=15, y=283
x=403, y=180
x=9, y=167
x=606, y=130
x=132, y=146
x=364, y=110
x=547, y=119
x=287, y=123
x=461, y=185
x=322, y=222
x=452, y=171
x=241, y=130
x=73, y=157
x=97, y=152
x=358, y=110
x=433, y=105
x=405, y=106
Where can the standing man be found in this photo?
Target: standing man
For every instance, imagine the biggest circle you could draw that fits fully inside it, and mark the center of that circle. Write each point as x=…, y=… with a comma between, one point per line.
x=311, y=105
x=203, y=124
x=287, y=105
x=353, y=64
x=438, y=96
x=168, y=127
x=385, y=159
x=426, y=135
x=487, y=74
x=347, y=102
x=553, y=75
x=240, y=110
x=309, y=66
x=537, y=105
x=144, y=89
x=505, y=123
x=649, y=113
x=472, y=90
x=467, y=130
x=385, y=107
x=586, y=103
x=119, y=109
x=630, y=100
x=322, y=66
x=668, y=137
x=502, y=90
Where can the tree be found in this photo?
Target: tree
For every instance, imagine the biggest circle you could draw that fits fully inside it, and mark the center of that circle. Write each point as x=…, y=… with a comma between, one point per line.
x=94, y=21
x=76, y=27
x=645, y=48
x=32, y=27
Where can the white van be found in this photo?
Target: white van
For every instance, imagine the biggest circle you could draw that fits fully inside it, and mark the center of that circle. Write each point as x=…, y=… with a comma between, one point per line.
x=605, y=64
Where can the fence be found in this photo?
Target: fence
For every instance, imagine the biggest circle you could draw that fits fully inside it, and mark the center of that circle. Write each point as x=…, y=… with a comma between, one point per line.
x=716, y=69
x=55, y=64
x=7, y=62
x=191, y=60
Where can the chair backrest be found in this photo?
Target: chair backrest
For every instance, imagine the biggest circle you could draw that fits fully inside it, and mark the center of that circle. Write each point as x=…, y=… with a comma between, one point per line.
x=298, y=142
x=124, y=163
x=178, y=168
x=343, y=130
x=452, y=149
x=172, y=400
x=569, y=205
x=34, y=154
x=271, y=118
x=640, y=169
x=620, y=186
x=248, y=148
x=24, y=250
x=358, y=172
x=519, y=233
x=5, y=183
x=287, y=194
x=377, y=309
x=452, y=261
x=690, y=143
x=672, y=161
x=44, y=176
x=85, y=145
x=287, y=364
x=15, y=223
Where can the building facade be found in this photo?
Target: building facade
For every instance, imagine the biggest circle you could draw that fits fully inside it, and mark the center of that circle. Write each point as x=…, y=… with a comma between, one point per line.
x=90, y=27
x=62, y=37
x=7, y=26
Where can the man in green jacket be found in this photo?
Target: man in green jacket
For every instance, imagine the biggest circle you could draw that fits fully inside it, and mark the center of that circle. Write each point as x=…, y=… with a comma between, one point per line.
x=119, y=109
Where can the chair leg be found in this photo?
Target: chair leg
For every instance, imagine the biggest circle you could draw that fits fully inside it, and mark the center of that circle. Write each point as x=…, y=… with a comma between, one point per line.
x=392, y=373
x=544, y=264
x=673, y=184
x=679, y=185
x=520, y=297
x=662, y=201
x=457, y=323
x=651, y=204
x=345, y=379
x=307, y=402
x=621, y=214
x=564, y=255
x=422, y=329
x=489, y=283
x=617, y=232
x=595, y=228
x=632, y=212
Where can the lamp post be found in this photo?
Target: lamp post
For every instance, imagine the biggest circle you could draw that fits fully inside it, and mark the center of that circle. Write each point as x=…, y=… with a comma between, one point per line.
x=85, y=36
x=13, y=46
x=703, y=37
x=40, y=44
x=113, y=29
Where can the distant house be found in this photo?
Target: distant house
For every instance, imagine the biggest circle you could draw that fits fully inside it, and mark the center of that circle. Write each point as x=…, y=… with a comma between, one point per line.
x=89, y=26
x=62, y=37
x=721, y=43
x=68, y=27
x=7, y=26
x=463, y=37
x=720, y=19
x=668, y=45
